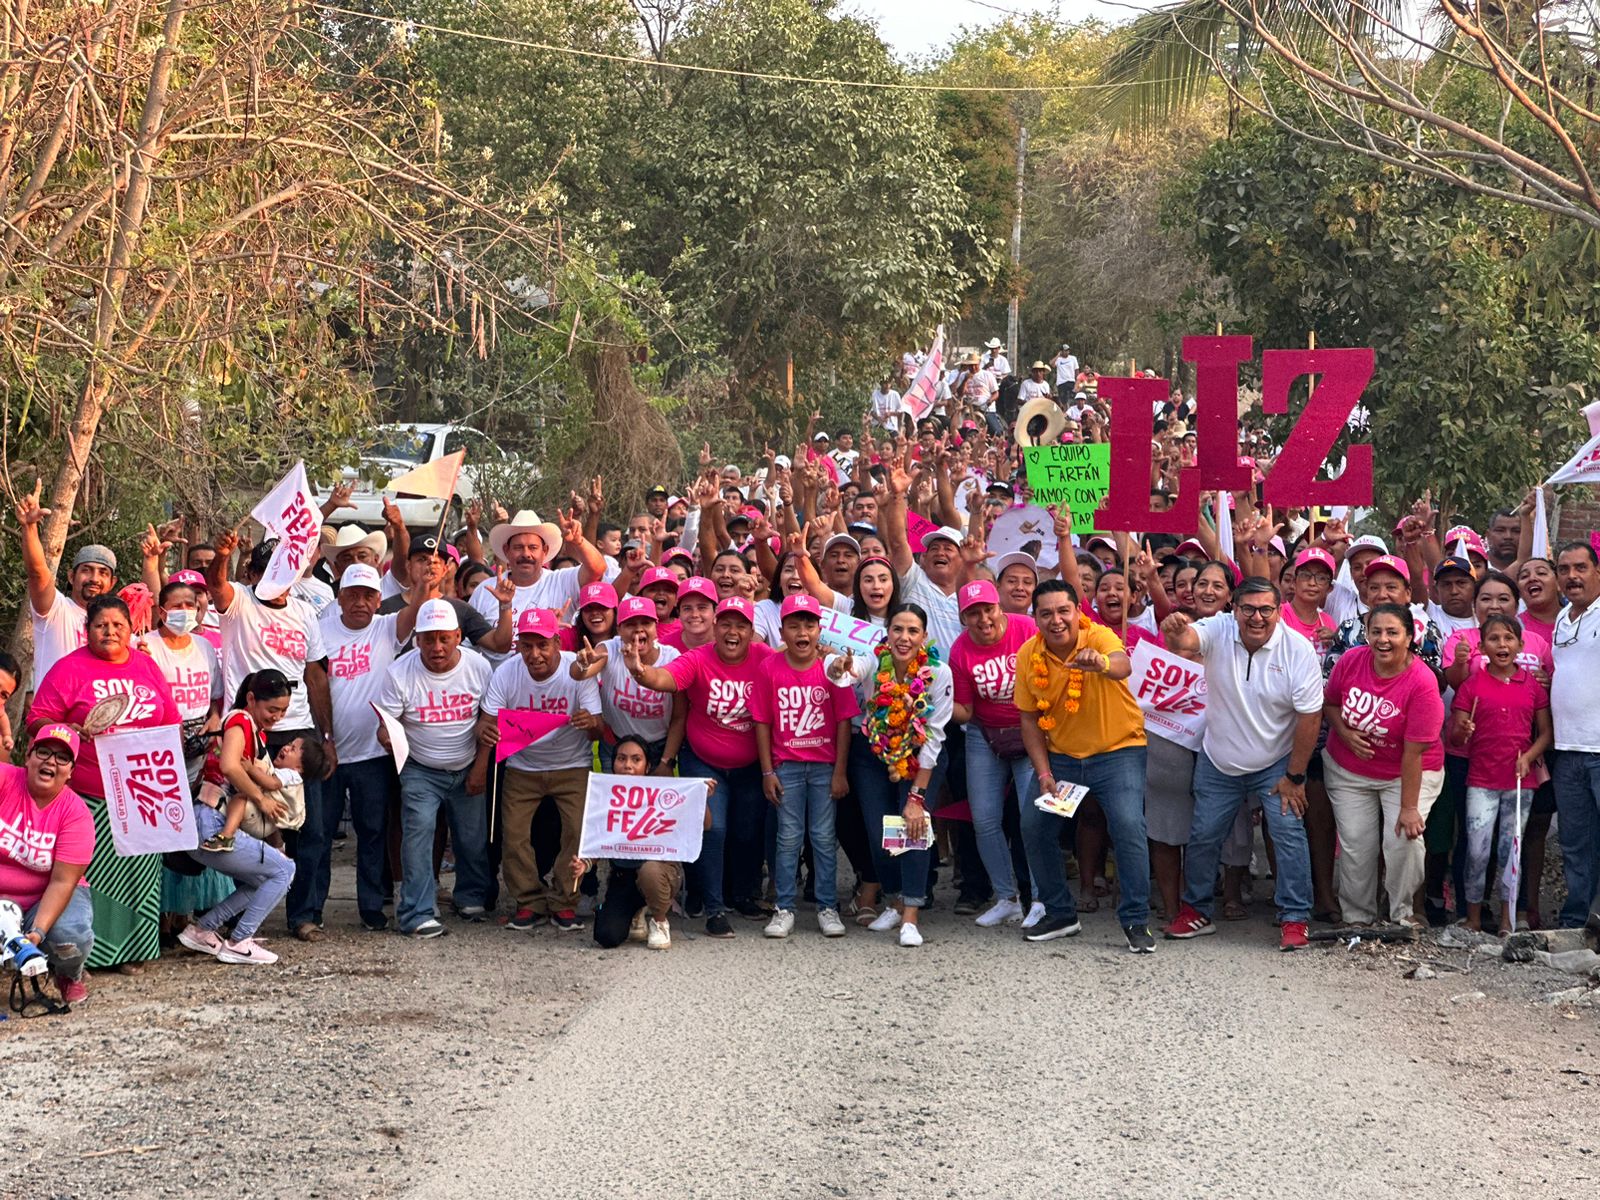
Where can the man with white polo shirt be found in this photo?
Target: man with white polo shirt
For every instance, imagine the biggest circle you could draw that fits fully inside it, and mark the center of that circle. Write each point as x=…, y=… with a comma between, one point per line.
x=434, y=694
x=525, y=544
x=361, y=644
x=1576, y=716
x=1263, y=715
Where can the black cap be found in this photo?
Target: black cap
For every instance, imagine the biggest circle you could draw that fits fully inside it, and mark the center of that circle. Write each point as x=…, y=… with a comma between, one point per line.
x=429, y=545
x=1452, y=563
x=261, y=555
x=658, y=490
x=1000, y=485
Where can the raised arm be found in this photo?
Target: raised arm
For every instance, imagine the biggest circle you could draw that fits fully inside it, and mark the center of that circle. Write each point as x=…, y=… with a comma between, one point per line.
x=219, y=568
x=41, y=580
x=893, y=515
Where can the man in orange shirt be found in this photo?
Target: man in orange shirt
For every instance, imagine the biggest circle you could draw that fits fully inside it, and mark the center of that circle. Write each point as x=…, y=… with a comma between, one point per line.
x=1081, y=725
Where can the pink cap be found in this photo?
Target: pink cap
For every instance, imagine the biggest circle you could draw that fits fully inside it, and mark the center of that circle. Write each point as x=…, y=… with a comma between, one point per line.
x=1276, y=543
x=1316, y=555
x=540, y=622
x=738, y=604
x=698, y=585
x=602, y=594
x=65, y=734
x=799, y=603
x=634, y=607
x=677, y=552
x=1461, y=533
x=1388, y=562
x=193, y=578
x=454, y=554
x=979, y=591
x=1191, y=543
x=657, y=575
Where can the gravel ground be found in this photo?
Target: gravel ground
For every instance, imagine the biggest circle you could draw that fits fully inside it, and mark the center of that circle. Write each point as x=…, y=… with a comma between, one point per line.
x=978, y=1065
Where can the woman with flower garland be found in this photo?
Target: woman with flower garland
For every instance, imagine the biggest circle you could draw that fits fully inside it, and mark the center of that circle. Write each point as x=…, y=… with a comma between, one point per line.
x=1081, y=725
x=907, y=697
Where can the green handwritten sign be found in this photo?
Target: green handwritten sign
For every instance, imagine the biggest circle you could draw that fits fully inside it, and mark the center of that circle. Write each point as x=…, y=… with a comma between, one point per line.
x=1077, y=474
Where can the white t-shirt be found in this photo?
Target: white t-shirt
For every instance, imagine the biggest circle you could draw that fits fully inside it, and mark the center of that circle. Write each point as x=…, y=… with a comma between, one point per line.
x=768, y=627
x=1066, y=368
x=1253, y=700
x=944, y=612
x=845, y=460
x=628, y=706
x=551, y=590
x=1446, y=623
x=1033, y=388
x=999, y=364
x=389, y=587
x=439, y=711
x=885, y=405
x=57, y=633
x=358, y=660
x=314, y=592
x=256, y=636
x=191, y=672
x=1573, y=711
x=561, y=749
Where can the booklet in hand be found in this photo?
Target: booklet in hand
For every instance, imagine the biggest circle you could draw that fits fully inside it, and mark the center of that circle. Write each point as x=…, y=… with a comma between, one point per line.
x=1064, y=801
x=896, y=841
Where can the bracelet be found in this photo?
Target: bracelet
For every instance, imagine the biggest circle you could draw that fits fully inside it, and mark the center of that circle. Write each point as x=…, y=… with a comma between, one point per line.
x=769, y=774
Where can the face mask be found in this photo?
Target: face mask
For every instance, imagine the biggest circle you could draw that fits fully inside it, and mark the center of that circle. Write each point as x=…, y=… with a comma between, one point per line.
x=181, y=620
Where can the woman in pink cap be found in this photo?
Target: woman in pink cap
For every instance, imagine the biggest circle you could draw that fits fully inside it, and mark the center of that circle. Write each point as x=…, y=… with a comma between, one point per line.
x=697, y=614
x=655, y=718
x=597, y=617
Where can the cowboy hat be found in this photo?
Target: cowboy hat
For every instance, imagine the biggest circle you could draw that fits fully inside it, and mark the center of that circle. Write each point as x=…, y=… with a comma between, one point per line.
x=348, y=537
x=1038, y=366
x=1039, y=409
x=993, y=344
x=526, y=521
x=971, y=360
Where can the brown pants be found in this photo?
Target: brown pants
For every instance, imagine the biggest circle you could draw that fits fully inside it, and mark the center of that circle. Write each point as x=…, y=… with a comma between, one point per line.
x=658, y=883
x=520, y=796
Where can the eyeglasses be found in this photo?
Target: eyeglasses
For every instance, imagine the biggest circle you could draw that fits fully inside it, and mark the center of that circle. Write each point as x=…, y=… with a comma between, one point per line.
x=51, y=754
x=1256, y=612
x=1577, y=628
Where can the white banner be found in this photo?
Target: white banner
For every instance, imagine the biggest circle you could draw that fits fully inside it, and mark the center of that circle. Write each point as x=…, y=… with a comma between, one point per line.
x=290, y=513
x=1582, y=467
x=922, y=393
x=643, y=818
x=147, y=790
x=399, y=743
x=1172, y=693
x=843, y=632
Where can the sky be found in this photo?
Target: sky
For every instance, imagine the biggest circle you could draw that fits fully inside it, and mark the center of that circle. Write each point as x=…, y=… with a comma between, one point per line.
x=914, y=27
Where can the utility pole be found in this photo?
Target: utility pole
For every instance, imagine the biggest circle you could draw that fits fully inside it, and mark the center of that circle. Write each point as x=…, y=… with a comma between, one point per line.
x=1013, y=319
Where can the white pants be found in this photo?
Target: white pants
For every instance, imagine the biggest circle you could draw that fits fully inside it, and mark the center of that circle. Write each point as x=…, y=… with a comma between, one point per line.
x=1366, y=812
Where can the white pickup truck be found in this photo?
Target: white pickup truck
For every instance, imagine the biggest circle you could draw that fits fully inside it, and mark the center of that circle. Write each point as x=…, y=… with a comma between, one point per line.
x=396, y=449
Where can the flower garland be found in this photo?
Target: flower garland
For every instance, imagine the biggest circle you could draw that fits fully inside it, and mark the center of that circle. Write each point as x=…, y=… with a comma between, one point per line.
x=1043, y=682
x=897, y=724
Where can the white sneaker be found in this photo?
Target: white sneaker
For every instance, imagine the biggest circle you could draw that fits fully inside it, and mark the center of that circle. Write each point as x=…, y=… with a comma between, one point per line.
x=910, y=936
x=781, y=925
x=1003, y=911
x=202, y=941
x=637, y=931
x=1035, y=915
x=660, y=936
x=828, y=921
x=888, y=919
x=247, y=951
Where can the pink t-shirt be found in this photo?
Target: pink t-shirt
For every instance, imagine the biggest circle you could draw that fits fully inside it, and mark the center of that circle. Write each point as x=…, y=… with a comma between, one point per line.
x=1532, y=624
x=986, y=676
x=1309, y=632
x=1535, y=653
x=719, y=728
x=803, y=708
x=33, y=839
x=80, y=680
x=1390, y=712
x=1503, y=726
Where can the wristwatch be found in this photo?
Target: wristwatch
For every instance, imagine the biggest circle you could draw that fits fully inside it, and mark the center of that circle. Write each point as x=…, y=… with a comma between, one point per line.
x=1294, y=777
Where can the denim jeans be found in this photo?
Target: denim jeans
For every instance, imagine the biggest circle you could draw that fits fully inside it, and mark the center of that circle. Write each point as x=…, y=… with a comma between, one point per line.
x=423, y=792
x=737, y=832
x=987, y=776
x=1116, y=780
x=806, y=808
x=371, y=785
x=309, y=846
x=71, y=937
x=904, y=875
x=1577, y=779
x=261, y=875
x=1218, y=797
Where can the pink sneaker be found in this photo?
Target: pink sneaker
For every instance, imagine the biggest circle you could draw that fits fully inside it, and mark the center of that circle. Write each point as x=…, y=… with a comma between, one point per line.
x=201, y=941
x=72, y=991
x=247, y=951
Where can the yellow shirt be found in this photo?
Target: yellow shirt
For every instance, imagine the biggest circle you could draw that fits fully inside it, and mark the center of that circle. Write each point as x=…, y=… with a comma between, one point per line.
x=1108, y=717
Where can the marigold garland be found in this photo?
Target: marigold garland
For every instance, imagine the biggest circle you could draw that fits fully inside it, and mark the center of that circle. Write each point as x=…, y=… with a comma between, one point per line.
x=897, y=723
x=1042, y=682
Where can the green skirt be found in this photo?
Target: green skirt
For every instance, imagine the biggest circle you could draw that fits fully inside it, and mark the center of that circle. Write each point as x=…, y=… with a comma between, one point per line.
x=126, y=895
x=191, y=895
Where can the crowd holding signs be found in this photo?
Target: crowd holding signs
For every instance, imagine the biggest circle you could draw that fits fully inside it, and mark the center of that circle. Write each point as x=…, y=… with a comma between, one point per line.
x=1012, y=613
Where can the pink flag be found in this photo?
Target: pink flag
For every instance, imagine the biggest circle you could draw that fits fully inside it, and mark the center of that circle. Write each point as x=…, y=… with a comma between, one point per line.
x=290, y=513
x=917, y=528
x=923, y=391
x=521, y=727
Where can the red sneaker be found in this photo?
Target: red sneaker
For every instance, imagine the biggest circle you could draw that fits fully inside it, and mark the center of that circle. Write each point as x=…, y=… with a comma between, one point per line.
x=1294, y=936
x=72, y=991
x=1189, y=923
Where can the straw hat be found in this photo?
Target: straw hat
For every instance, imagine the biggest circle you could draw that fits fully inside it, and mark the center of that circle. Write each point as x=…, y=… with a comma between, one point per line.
x=1040, y=408
x=526, y=521
x=349, y=537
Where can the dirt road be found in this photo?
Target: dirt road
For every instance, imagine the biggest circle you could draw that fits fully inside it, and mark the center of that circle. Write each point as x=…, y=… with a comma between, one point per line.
x=494, y=1064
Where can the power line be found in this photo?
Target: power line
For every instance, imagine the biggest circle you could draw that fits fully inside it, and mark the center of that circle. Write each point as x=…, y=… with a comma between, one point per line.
x=880, y=85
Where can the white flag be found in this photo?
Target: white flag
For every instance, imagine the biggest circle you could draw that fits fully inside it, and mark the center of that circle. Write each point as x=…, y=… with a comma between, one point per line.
x=147, y=791
x=643, y=818
x=1582, y=467
x=290, y=513
x=1224, y=517
x=922, y=393
x=1591, y=413
x=1541, y=526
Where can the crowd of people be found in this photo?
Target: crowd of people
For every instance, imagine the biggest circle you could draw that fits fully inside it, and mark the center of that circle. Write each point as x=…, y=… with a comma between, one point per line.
x=1392, y=712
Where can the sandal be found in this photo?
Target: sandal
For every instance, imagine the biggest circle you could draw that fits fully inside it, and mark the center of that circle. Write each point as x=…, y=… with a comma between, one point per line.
x=308, y=932
x=1232, y=910
x=1101, y=887
x=865, y=914
x=1089, y=903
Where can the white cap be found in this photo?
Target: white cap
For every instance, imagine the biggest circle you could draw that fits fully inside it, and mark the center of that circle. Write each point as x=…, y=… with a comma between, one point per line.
x=778, y=460
x=945, y=532
x=361, y=575
x=436, y=615
x=1367, y=541
x=1017, y=558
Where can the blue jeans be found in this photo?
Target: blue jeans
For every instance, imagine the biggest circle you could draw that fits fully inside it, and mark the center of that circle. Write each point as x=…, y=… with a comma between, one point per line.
x=734, y=840
x=309, y=846
x=70, y=939
x=371, y=785
x=261, y=874
x=987, y=776
x=423, y=791
x=806, y=807
x=1576, y=774
x=1116, y=779
x=904, y=875
x=1217, y=797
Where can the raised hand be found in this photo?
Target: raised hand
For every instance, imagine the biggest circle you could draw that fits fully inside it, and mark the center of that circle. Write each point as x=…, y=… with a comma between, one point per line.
x=1061, y=515
x=151, y=545
x=597, y=494
x=474, y=515
x=505, y=588
x=28, y=510
x=1090, y=660
x=705, y=454
x=340, y=496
